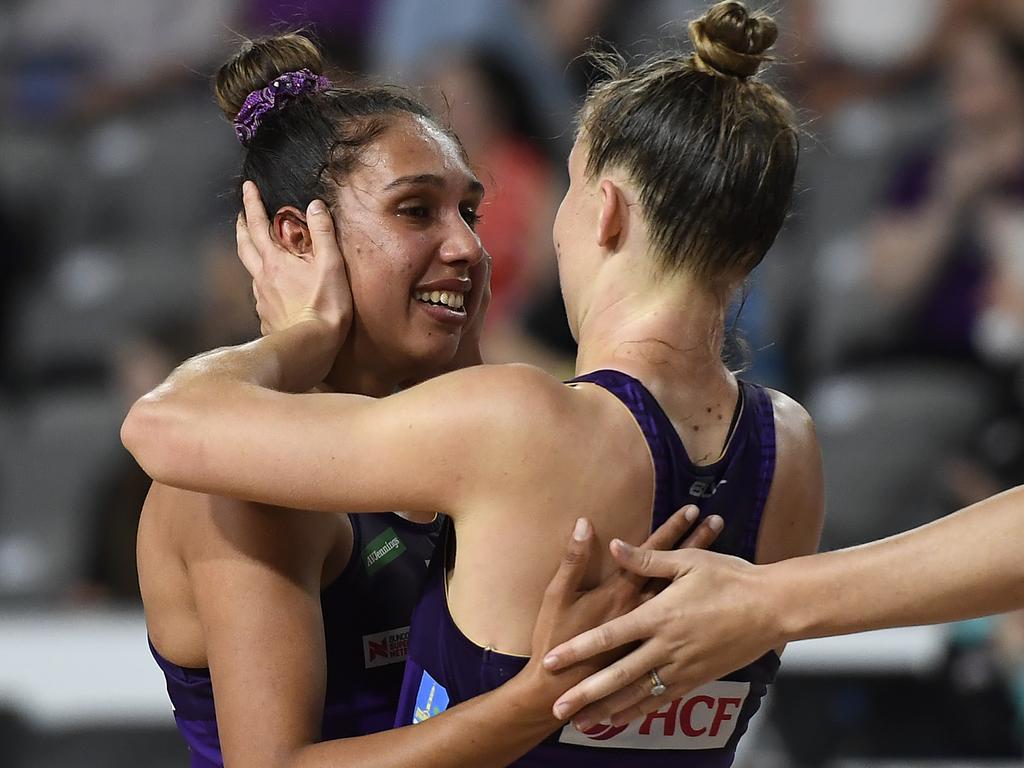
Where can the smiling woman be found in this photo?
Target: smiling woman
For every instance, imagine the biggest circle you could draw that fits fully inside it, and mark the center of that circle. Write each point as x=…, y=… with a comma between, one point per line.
x=276, y=628
x=680, y=178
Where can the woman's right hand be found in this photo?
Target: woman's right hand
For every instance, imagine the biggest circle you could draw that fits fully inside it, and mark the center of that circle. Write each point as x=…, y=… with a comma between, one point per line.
x=566, y=610
x=288, y=288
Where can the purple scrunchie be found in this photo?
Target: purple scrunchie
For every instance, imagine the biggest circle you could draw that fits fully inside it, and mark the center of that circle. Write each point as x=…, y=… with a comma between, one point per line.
x=276, y=94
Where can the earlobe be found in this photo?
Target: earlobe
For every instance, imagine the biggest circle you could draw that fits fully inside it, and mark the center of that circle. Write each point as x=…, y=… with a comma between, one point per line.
x=611, y=222
x=290, y=230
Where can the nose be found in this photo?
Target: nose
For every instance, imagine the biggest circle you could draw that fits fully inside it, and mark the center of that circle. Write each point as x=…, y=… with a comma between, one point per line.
x=462, y=245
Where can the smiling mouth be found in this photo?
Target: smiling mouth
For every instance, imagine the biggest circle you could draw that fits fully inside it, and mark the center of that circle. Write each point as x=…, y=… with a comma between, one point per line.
x=453, y=300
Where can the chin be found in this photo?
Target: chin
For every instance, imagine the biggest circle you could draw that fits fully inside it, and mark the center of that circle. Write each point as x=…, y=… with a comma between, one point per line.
x=431, y=353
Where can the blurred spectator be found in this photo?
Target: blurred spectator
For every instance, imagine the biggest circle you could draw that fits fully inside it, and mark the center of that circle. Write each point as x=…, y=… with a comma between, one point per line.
x=411, y=33
x=91, y=58
x=928, y=260
x=141, y=363
x=491, y=112
x=341, y=27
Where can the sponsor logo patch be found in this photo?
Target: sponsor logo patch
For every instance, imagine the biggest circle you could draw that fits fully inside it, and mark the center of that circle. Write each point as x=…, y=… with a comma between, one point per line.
x=705, y=489
x=382, y=550
x=703, y=719
x=432, y=699
x=389, y=647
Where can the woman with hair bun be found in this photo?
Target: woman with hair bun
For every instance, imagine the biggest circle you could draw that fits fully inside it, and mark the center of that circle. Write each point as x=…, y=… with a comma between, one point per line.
x=680, y=179
x=277, y=628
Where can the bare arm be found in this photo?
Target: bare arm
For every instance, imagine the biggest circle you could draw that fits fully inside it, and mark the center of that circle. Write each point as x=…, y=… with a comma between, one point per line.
x=500, y=726
x=962, y=566
x=221, y=423
x=212, y=427
x=256, y=575
x=906, y=248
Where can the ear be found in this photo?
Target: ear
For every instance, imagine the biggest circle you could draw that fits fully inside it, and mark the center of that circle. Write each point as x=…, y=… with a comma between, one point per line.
x=613, y=218
x=290, y=230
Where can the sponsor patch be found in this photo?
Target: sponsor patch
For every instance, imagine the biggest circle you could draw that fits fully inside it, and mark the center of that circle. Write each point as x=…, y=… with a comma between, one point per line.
x=432, y=699
x=382, y=550
x=389, y=647
x=703, y=719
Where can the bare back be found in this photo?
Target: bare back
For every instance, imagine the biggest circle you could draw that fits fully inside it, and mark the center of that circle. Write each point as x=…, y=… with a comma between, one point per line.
x=605, y=469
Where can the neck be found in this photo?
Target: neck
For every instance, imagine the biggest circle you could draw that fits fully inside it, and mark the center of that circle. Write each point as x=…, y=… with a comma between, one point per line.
x=370, y=376
x=676, y=325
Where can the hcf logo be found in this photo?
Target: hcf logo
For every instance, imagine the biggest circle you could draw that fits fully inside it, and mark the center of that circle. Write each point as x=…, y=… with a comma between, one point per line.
x=704, y=719
x=605, y=731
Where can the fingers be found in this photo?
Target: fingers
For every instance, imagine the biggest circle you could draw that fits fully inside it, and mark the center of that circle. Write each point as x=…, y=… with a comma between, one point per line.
x=248, y=254
x=672, y=530
x=321, y=230
x=566, y=582
x=705, y=534
x=635, y=625
x=666, y=536
x=649, y=563
x=622, y=677
x=255, y=213
x=642, y=703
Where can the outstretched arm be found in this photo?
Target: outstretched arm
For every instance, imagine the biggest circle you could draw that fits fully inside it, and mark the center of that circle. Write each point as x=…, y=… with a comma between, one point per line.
x=721, y=612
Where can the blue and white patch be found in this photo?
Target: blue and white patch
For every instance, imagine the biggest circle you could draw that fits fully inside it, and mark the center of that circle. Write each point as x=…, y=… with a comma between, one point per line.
x=432, y=699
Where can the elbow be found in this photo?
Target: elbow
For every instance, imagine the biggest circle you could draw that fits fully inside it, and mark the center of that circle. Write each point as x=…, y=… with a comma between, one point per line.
x=153, y=435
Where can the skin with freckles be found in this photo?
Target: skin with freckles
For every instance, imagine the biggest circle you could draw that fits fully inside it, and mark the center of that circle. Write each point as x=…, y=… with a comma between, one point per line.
x=405, y=217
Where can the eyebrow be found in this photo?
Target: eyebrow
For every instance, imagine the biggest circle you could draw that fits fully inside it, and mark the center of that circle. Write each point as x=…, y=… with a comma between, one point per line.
x=432, y=180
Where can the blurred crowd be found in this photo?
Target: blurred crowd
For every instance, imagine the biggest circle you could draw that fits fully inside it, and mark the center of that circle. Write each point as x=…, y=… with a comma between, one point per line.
x=892, y=305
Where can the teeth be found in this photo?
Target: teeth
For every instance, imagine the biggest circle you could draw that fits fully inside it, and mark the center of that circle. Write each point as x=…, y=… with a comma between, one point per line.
x=449, y=299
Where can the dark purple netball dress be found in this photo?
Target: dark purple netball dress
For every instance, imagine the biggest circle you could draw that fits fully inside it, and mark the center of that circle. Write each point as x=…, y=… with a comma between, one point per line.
x=366, y=613
x=703, y=727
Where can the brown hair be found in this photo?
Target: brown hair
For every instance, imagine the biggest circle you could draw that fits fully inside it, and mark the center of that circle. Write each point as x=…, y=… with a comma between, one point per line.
x=712, y=151
x=315, y=137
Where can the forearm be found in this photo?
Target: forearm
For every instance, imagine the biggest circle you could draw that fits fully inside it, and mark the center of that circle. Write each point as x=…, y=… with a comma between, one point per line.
x=488, y=731
x=177, y=414
x=295, y=359
x=965, y=565
x=906, y=247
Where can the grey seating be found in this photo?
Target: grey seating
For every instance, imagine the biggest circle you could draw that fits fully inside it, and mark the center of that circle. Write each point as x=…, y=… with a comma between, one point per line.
x=884, y=436
x=64, y=441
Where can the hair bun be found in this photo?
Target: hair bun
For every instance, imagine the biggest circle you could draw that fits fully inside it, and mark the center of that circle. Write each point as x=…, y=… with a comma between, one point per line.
x=730, y=41
x=258, y=62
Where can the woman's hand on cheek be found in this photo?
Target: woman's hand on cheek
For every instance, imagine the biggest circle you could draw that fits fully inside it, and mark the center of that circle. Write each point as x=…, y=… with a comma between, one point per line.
x=289, y=289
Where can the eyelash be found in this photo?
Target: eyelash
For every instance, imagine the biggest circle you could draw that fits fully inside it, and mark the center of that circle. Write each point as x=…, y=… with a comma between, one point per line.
x=469, y=214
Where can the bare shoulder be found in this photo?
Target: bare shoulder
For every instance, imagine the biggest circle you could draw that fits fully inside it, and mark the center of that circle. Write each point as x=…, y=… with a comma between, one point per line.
x=514, y=383
x=794, y=512
x=202, y=526
x=501, y=402
x=794, y=427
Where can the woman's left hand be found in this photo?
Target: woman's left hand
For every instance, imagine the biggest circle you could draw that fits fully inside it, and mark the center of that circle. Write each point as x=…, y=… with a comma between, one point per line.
x=715, y=617
x=288, y=288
